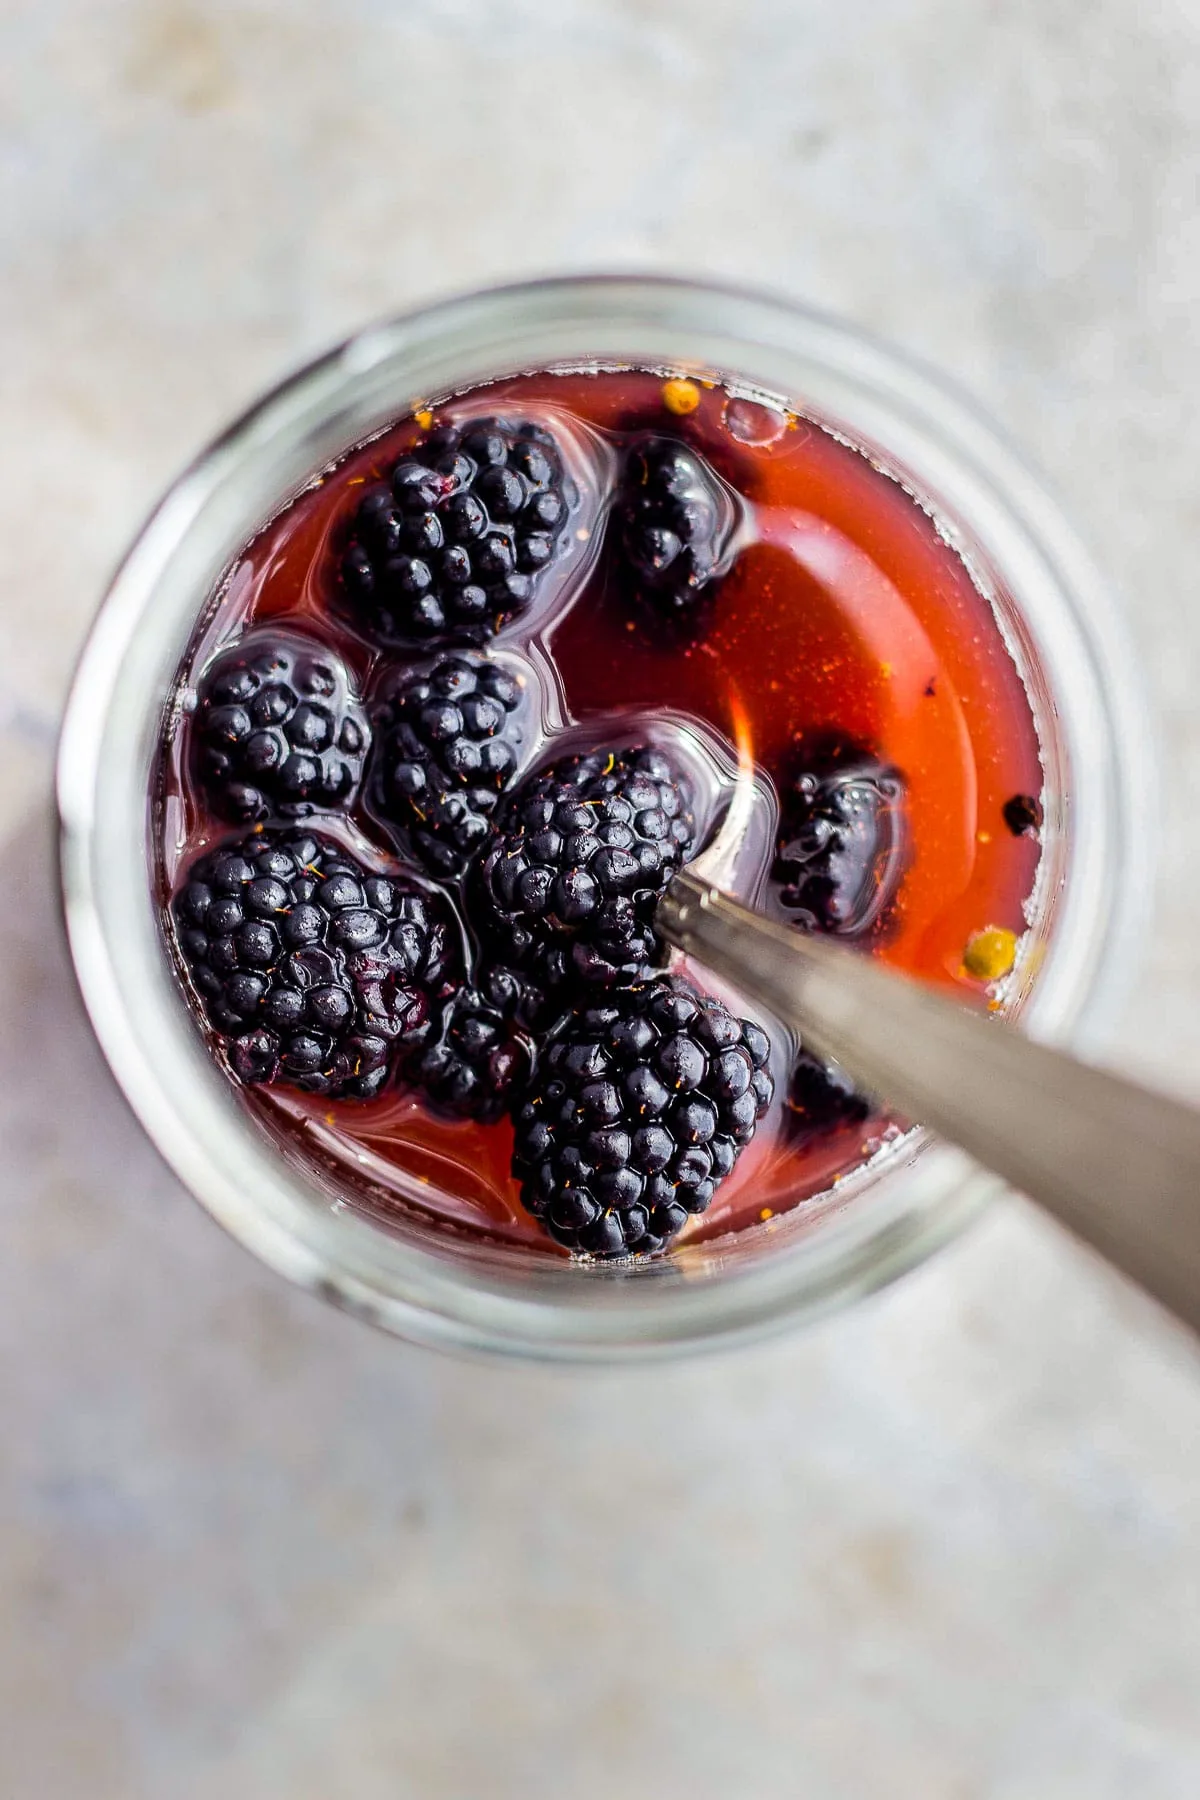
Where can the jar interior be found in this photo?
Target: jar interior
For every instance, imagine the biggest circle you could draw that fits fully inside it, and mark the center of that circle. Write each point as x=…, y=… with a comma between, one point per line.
x=418, y=1278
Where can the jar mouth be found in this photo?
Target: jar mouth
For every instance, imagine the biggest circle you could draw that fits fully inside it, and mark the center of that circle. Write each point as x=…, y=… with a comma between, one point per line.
x=1063, y=628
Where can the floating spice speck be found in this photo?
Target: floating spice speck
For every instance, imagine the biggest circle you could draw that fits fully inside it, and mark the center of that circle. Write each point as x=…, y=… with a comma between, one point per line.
x=990, y=953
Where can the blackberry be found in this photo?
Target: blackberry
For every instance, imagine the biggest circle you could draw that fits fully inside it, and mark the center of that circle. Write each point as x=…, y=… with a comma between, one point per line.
x=675, y=520
x=455, y=547
x=312, y=969
x=278, y=730
x=639, y=1107
x=481, y=1056
x=580, y=853
x=445, y=747
x=841, y=846
x=822, y=1097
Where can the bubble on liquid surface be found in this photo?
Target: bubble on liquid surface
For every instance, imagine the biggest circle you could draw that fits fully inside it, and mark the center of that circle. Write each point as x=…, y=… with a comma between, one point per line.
x=752, y=423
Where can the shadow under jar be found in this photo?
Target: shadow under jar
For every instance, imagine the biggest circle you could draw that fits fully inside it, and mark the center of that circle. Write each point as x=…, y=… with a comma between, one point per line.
x=966, y=639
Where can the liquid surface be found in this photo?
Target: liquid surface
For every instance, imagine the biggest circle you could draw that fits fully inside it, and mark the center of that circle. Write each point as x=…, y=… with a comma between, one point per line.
x=845, y=612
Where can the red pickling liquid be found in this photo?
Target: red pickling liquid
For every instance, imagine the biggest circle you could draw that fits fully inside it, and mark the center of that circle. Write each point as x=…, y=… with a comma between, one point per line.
x=847, y=612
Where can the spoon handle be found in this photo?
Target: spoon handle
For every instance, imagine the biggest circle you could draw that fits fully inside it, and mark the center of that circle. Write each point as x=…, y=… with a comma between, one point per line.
x=1119, y=1165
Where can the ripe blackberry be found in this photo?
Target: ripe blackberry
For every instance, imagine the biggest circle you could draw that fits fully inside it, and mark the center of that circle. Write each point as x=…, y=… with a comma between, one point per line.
x=480, y=1056
x=580, y=853
x=455, y=547
x=312, y=969
x=841, y=844
x=821, y=1097
x=445, y=748
x=639, y=1107
x=278, y=730
x=675, y=520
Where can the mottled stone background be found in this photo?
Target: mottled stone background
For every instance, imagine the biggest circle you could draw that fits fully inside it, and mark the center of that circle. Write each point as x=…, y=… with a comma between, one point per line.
x=944, y=1547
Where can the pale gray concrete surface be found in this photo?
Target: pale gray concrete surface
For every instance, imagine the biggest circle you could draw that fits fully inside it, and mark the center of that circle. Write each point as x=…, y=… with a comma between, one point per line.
x=945, y=1546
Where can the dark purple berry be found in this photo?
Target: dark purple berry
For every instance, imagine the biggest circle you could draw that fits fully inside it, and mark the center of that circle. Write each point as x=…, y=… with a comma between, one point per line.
x=454, y=549
x=576, y=864
x=479, y=1054
x=312, y=970
x=446, y=746
x=675, y=520
x=842, y=842
x=278, y=730
x=822, y=1097
x=612, y=1159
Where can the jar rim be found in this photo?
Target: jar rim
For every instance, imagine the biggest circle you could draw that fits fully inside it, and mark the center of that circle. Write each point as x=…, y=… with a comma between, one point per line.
x=820, y=365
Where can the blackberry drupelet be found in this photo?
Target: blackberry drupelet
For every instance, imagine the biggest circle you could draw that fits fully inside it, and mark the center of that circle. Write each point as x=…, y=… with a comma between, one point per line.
x=481, y=1053
x=842, y=841
x=313, y=970
x=580, y=853
x=454, y=548
x=675, y=521
x=445, y=748
x=639, y=1107
x=278, y=730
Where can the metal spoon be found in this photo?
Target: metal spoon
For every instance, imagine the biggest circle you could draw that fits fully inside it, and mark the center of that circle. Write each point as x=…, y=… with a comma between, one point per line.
x=1119, y=1165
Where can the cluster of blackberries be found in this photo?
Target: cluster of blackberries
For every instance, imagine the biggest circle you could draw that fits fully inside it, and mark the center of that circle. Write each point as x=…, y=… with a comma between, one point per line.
x=519, y=971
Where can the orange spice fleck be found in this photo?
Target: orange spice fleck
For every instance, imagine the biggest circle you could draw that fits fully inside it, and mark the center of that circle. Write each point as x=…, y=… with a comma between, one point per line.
x=680, y=396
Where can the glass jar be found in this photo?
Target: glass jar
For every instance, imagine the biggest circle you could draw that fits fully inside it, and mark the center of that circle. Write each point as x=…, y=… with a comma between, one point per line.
x=1060, y=624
